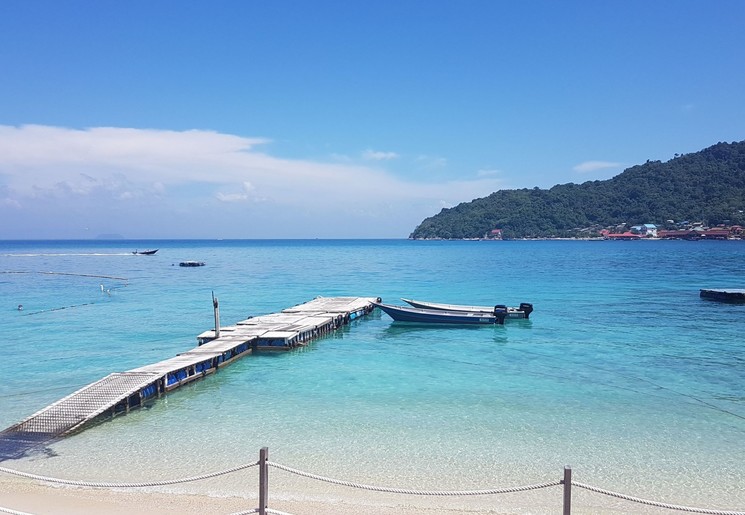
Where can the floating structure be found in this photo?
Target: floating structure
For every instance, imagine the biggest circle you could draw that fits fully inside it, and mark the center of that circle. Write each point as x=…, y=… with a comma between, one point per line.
x=122, y=391
x=735, y=296
x=191, y=263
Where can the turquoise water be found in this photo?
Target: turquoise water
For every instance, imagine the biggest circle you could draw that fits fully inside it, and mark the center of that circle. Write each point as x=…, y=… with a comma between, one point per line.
x=622, y=371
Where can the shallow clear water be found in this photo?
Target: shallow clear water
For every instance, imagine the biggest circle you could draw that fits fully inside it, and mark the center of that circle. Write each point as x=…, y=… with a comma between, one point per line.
x=622, y=371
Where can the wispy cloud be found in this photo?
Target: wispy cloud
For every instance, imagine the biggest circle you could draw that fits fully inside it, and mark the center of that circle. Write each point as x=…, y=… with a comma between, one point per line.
x=199, y=180
x=488, y=172
x=242, y=196
x=9, y=202
x=431, y=161
x=594, y=166
x=374, y=155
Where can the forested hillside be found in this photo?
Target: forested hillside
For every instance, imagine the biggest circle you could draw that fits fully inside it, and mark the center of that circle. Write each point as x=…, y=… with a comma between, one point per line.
x=706, y=186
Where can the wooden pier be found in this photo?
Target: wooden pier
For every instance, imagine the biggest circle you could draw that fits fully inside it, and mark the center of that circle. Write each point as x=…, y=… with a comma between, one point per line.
x=122, y=391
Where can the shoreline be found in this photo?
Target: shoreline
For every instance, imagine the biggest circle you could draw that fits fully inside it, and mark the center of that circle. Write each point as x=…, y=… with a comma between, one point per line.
x=37, y=498
x=42, y=499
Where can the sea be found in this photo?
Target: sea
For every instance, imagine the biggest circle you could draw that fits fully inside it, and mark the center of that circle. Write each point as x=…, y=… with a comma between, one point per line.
x=622, y=371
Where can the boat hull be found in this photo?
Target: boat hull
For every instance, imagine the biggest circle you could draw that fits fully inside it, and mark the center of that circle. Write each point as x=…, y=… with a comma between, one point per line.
x=432, y=316
x=523, y=311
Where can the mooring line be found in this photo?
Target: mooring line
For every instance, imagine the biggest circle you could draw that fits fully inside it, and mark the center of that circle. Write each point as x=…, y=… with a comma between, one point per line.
x=112, y=277
x=697, y=400
x=57, y=309
x=644, y=380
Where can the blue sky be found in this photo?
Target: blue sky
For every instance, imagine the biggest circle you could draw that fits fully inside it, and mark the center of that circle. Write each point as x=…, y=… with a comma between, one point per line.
x=326, y=119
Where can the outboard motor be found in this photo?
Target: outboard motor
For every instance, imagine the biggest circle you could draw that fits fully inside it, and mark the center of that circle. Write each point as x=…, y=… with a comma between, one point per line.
x=500, y=311
x=526, y=308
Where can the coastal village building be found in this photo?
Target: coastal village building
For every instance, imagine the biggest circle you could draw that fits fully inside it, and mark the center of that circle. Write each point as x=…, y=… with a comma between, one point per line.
x=685, y=231
x=698, y=234
x=645, y=231
x=695, y=231
x=628, y=235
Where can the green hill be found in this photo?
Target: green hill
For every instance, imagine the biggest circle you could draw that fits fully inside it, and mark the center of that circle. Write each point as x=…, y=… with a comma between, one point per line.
x=706, y=186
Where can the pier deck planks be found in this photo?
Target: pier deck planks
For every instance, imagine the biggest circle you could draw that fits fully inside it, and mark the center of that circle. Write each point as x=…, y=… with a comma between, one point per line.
x=295, y=326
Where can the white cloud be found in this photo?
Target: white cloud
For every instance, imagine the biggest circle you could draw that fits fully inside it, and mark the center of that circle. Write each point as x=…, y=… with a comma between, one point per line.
x=373, y=155
x=243, y=196
x=231, y=197
x=594, y=166
x=115, y=176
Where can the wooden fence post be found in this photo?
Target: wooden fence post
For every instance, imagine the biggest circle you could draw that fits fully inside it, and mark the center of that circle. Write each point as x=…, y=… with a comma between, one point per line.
x=567, y=490
x=263, y=480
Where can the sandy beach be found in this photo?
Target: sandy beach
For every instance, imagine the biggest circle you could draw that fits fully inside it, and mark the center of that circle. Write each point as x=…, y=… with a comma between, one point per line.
x=27, y=496
x=40, y=498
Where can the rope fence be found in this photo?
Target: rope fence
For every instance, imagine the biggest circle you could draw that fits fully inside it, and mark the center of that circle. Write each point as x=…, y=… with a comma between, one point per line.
x=655, y=503
x=263, y=464
x=91, y=484
x=405, y=491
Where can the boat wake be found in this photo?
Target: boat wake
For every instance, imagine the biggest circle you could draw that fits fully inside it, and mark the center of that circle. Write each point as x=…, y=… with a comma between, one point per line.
x=54, y=254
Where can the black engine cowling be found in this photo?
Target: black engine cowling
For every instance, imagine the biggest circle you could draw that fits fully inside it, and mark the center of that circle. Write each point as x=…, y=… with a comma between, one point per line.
x=527, y=308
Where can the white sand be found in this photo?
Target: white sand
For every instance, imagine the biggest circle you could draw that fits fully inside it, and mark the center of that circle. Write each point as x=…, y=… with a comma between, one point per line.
x=40, y=499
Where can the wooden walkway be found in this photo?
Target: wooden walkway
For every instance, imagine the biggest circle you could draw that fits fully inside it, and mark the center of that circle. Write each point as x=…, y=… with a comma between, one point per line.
x=122, y=391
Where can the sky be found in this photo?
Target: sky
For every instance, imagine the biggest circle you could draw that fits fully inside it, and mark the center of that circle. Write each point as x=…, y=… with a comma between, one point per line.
x=341, y=119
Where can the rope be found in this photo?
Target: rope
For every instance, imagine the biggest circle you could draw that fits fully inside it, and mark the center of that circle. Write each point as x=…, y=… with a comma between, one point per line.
x=58, y=309
x=247, y=512
x=414, y=492
x=91, y=484
x=655, y=503
x=13, y=512
x=88, y=275
x=276, y=512
x=67, y=273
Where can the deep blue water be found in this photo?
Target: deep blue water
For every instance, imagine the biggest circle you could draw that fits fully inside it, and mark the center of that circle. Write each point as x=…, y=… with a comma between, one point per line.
x=622, y=371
